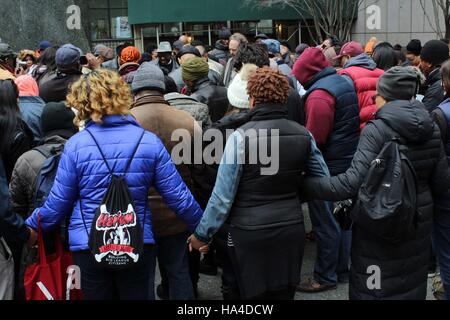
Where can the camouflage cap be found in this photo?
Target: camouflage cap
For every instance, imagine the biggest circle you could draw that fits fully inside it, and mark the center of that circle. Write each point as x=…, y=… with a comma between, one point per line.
x=6, y=50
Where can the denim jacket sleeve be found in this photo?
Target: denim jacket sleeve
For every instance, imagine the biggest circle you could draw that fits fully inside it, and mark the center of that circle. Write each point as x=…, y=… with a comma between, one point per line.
x=222, y=198
x=316, y=164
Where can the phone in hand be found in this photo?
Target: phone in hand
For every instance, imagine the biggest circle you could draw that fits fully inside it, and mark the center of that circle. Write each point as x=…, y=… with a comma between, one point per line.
x=83, y=60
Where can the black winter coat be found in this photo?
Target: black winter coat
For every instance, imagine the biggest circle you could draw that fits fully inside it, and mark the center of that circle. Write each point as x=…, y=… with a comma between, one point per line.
x=206, y=175
x=21, y=141
x=433, y=91
x=403, y=266
x=12, y=226
x=215, y=97
x=220, y=53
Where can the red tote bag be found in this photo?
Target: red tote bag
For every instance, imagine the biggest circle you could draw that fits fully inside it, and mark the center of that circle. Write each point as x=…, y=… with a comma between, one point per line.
x=50, y=278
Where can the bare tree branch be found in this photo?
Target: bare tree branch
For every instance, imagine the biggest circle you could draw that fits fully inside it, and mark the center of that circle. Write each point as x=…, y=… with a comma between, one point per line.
x=328, y=17
x=439, y=7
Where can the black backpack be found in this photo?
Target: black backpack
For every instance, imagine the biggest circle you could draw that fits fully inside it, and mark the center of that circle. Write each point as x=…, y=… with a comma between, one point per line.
x=47, y=174
x=116, y=239
x=387, y=201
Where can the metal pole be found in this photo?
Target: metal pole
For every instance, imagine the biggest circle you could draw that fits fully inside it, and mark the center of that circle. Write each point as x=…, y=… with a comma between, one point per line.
x=157, y=34
x=209, y=35
x=300, y=32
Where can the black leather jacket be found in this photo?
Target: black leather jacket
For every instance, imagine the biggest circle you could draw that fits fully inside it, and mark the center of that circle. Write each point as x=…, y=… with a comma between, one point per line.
x=215, y=97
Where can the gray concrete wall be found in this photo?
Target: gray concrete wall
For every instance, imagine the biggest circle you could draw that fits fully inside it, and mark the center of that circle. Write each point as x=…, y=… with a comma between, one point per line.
x=24, y=23
x=401, y=21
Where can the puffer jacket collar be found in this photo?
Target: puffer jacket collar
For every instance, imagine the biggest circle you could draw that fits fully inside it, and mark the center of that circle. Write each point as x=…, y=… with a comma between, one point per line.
x=220, y=46
x=150, y=99
x=408, y=118
x=114, y=121
x=363, y=61
x=201, y=84
x=433, y=77
x=268, y=111
x=322, y=74
x=30, y=99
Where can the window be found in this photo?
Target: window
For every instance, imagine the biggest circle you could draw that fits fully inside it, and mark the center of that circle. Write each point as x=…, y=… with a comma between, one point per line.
x=109, y=19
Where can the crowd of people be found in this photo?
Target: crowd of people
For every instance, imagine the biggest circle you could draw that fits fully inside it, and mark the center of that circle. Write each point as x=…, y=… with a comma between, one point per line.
x=107, y=118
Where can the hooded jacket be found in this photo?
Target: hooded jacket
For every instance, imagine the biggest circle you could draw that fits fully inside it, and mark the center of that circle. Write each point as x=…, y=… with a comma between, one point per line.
x=363, y=73
x=30, y=105
x=404, y=265
x=331, y=109
x=215, y=97
x=220, y=53
x=432, y=90
x=207, y=174
x=83, y=178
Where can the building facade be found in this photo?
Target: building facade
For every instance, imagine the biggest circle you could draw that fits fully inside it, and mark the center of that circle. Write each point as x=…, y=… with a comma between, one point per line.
x=86, y=23
x=398, y=21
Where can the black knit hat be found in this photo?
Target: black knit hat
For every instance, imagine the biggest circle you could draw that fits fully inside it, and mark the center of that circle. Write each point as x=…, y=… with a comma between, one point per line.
x=188, y=49
x=398, y=83
x=286, y=44
x=57, y=119
x=224, y=34
x=414, y=47
x=435, y=52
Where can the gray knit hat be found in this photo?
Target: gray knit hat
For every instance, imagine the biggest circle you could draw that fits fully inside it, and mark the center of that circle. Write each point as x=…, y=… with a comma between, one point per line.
x=399, y=83
x=148, y=76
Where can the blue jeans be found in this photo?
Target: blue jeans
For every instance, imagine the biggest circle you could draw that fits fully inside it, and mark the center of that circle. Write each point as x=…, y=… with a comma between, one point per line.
x=174, y=266
x=441, y=243
x=333, y=244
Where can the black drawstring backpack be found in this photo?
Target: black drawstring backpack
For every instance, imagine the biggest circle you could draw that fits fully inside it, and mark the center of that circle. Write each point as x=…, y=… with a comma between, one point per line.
x=116, y=238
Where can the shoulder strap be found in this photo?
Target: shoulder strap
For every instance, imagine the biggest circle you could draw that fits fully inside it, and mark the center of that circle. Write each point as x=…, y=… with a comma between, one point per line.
x=101, y=152
x=44, y=151
x=134, y=152
x=106, y=161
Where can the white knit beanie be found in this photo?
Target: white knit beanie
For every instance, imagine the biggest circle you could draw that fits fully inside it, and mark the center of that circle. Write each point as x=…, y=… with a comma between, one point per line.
x=237, y=91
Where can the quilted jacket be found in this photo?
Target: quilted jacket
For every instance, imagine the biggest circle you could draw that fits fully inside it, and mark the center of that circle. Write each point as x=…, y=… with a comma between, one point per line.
x=83, y=175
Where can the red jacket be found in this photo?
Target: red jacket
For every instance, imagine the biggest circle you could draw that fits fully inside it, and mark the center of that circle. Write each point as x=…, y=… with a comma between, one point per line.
x=365, y=81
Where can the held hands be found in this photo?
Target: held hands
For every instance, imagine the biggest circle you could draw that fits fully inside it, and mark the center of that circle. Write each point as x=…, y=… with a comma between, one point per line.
x=196, y=244
x=32, y=239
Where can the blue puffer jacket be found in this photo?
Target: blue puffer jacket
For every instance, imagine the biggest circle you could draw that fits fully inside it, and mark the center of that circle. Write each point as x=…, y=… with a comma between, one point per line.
x=83, y=173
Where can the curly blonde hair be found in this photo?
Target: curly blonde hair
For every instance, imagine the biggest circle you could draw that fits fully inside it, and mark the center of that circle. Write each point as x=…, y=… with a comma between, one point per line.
x=268, y=86
x=100, y=93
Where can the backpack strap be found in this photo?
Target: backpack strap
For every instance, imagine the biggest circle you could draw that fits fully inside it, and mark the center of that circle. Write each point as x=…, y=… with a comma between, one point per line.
x=110, y=172
x=44, y=151
x=134, y=152
x=101, y=152
x=106, y=161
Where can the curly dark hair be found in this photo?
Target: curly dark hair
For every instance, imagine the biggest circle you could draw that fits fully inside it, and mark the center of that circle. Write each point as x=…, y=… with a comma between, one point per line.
x=268, y=86
x=251, y=53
